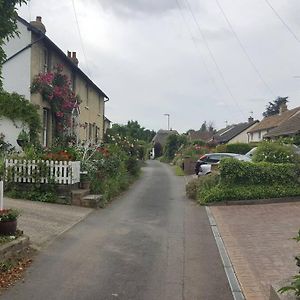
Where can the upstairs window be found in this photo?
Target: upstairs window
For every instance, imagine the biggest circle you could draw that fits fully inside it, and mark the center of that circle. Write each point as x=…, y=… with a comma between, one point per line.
x=46, y=61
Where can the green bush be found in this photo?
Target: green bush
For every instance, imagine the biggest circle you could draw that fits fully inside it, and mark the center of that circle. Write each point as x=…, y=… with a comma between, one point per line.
x=222, y=148
x=192, y=188
x=239, y=148
x=202, y=183
x=233, y=171
x=247, y=192
x=275, y=152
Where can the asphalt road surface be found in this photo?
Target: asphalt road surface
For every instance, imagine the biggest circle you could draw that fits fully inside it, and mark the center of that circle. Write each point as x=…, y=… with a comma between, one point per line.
x=149, y=244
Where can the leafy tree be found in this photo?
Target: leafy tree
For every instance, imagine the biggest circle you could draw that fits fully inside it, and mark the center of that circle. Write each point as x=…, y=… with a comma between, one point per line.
x=174, y=142
x=8, y=24
x=203, y=127
x=273, y=107
x=132, y=130
x=207, y=127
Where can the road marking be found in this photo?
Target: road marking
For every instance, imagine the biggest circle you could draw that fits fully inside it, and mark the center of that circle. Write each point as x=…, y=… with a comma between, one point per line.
x=228, y=267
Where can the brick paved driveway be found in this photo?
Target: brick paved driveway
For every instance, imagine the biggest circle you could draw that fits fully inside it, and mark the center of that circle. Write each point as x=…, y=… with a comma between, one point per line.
x=257, y=238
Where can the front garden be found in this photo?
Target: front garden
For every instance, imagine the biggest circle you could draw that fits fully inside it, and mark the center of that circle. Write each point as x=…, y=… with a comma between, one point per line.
x=274, y=173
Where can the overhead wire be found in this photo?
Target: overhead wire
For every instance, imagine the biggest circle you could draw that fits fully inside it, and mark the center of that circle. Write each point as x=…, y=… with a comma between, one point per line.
x=282, y=21
x=213, y=82
x=213, y=58
x=80, y=38
x=244, y=49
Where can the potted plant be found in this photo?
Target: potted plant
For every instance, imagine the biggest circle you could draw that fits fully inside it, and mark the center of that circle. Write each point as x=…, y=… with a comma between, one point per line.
x=23, y=138
x=8, y=221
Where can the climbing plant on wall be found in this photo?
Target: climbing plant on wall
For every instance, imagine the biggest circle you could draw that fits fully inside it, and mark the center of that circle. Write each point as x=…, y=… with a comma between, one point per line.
x=55, y=88
x=16, y=108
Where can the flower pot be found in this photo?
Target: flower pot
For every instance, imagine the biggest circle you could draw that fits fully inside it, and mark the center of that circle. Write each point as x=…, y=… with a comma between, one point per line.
x=21, y=142
x=8, y=227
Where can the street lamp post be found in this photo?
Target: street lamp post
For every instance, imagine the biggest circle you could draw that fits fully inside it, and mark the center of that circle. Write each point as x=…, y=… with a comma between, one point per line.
x=168, y=115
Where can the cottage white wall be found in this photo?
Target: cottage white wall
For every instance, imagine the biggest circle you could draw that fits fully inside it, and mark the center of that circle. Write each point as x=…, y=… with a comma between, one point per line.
x=257, y=136
x=242, y=137
x=16, y=72
x=11, y=131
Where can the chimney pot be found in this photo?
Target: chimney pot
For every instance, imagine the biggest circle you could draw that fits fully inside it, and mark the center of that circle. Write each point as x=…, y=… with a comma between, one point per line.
x=69, y=54
x=39, y=19
x=250, y=119
x=73, y=54
x=282, y=108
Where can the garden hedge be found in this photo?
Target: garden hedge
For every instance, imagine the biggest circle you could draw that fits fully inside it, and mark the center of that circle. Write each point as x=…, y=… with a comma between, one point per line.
x=233, y=171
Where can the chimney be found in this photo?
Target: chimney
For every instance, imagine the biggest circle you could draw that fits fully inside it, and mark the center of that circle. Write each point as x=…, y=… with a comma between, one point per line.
x=250, y=119
x=38, y=24
x=69, y=54
x=282, y=108
x=74, y=58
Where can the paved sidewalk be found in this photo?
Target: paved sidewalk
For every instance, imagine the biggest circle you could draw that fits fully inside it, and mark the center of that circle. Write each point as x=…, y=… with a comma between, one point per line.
x=42, y=222
x=257, y=239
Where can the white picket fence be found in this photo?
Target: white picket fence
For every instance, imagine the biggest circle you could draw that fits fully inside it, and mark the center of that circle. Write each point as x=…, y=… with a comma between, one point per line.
x=43, y=171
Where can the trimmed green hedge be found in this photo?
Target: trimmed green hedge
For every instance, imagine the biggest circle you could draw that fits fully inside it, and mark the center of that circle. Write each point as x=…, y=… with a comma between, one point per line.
x=239, y=148
x=234, y=171
x=246, y=192
x=240, y=180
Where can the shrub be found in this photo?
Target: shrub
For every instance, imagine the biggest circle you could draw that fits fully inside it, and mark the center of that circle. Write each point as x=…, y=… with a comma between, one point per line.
x=247, y=192
x=191, y=188
x=275, y=152
x=294, y=286
x=234, y=171
x=222, y=148
x=239, y=148
x=7, y=215
x=200, y=184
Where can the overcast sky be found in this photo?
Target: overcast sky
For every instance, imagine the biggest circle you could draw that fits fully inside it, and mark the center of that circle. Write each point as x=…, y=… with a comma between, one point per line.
x=181, y=57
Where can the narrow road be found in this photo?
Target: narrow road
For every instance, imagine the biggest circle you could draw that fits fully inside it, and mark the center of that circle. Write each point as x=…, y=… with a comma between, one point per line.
x=150, y=244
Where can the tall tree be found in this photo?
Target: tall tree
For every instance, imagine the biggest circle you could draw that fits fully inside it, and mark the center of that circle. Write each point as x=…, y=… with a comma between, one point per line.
x=8, y=25
x=273, y=107
x=132, y=130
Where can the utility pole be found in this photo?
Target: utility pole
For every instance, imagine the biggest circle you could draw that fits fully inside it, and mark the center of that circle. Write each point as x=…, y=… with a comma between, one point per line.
x=168, y=115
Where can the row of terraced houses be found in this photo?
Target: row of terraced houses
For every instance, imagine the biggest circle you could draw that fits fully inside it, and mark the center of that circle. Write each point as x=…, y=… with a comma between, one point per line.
x=31, y=53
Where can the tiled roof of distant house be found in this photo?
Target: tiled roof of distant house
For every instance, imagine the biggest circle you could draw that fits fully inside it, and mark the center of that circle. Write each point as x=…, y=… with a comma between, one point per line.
x=226, y=134
x=162, y=135
x=199, y=135
x=274, y=121
x=289, y=126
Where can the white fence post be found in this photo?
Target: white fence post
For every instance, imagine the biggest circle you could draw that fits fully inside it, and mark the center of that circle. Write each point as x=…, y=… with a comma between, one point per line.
x=61, y=172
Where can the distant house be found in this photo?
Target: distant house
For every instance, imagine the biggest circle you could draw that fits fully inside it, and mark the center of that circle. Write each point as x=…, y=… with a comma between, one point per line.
x=160, y=139
x=107, y=124
x=236, y=133
x=285, y=123
x=31, y=53
x=193, y=135
x=288, y=128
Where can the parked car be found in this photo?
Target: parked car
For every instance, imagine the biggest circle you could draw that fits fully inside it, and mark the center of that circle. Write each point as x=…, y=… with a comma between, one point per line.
x=251, y=153
x=204, y=164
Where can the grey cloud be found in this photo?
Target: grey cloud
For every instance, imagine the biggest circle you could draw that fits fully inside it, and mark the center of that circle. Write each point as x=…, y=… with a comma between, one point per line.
x=138, y=7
